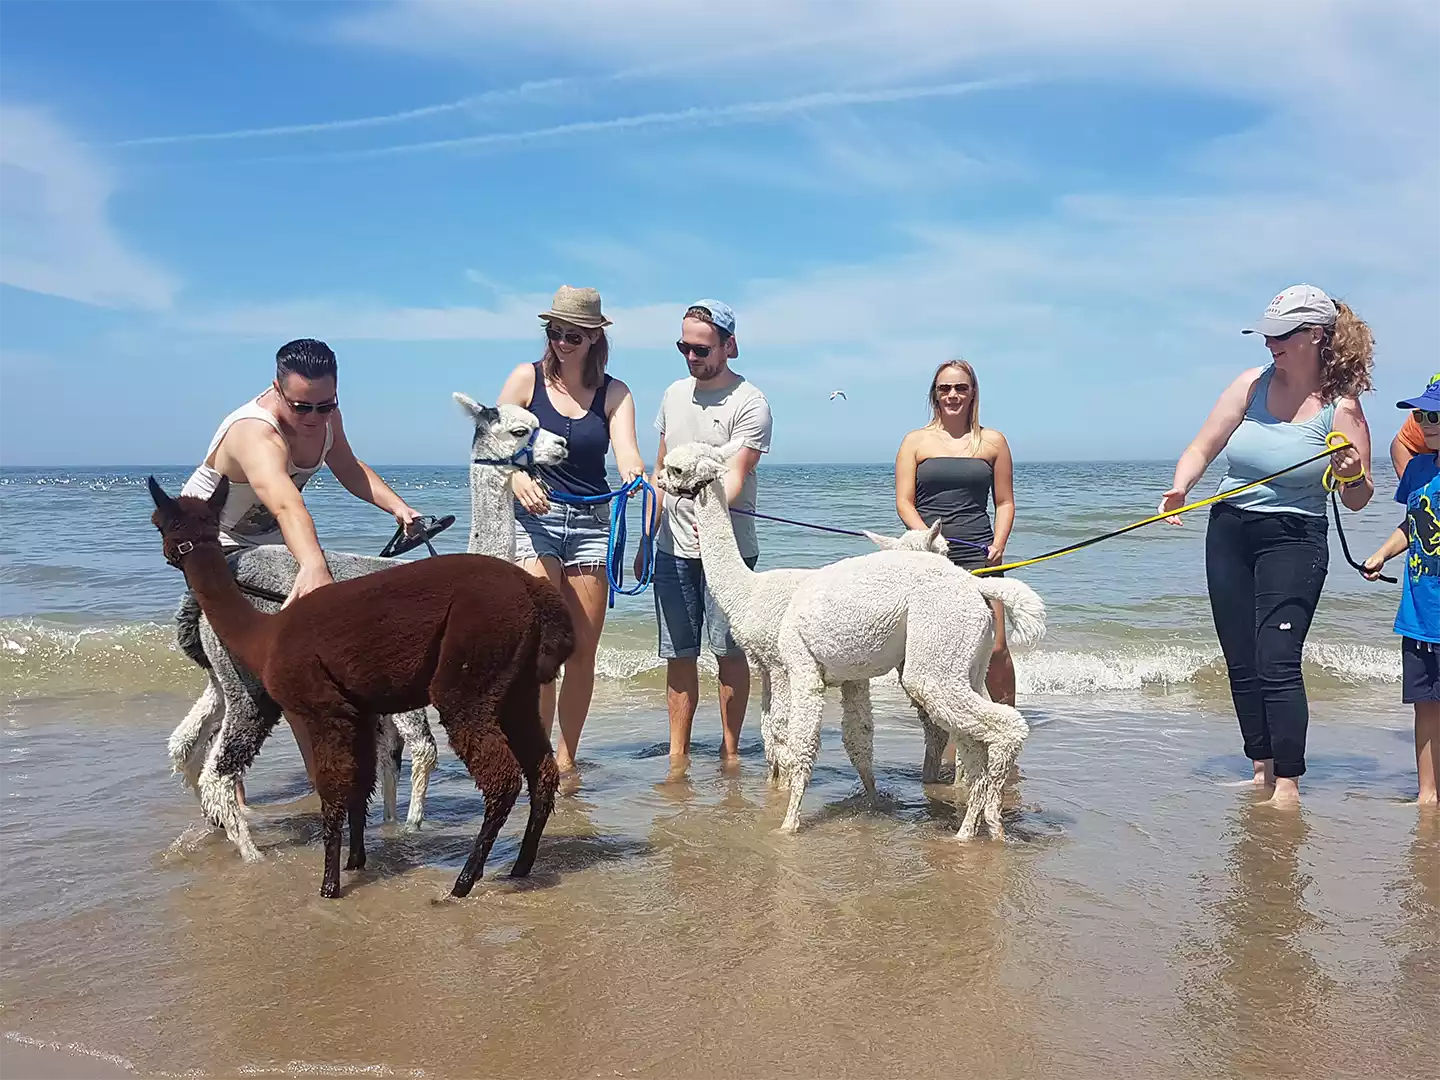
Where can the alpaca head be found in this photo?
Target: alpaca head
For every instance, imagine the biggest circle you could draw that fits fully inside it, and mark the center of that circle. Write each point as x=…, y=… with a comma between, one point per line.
x=690, y=467
x=510, y=437
x=187, y=522
x=913, y=540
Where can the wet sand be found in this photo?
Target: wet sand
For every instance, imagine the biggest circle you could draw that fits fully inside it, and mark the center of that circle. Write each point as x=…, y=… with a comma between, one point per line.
x=1146, y=920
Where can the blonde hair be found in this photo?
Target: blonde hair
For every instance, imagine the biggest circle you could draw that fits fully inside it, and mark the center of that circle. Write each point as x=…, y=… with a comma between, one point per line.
x=974, y=417
x=1347, y=355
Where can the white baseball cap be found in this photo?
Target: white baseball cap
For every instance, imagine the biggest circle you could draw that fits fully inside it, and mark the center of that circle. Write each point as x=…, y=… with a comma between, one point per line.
x=1297, y=306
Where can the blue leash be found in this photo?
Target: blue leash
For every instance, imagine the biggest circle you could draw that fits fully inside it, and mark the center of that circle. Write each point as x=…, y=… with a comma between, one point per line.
x=619, y=499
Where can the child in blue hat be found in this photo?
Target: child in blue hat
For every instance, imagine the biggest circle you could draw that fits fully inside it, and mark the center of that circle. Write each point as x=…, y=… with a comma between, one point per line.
x=1418, y=620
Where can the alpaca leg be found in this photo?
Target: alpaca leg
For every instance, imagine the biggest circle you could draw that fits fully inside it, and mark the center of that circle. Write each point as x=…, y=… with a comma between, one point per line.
x=970, y=782
x=807, y=709
x=542, y=778
x=936, y=739
x=414, y=728
x=857, y=730
x=362, y=785
x=334, y=737
x=191, y=731
x=1000, y=759
x=488, y=757
x=387, y=759
x=779, y=749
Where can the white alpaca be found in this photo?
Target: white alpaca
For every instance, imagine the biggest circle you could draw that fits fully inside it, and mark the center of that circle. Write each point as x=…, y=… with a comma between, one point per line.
x=855, y=620
x=218, y=740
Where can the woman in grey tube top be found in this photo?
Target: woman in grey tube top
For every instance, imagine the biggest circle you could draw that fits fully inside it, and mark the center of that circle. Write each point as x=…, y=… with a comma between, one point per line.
x=950, y=469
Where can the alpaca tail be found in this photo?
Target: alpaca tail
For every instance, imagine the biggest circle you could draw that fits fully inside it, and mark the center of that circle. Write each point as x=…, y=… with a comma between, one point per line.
x=1022, y=604
x=187, y=630
x=557, y=630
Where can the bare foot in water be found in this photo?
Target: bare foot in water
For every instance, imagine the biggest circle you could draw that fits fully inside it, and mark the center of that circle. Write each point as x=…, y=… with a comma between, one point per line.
x=1265, y=773
x=1287, y=794
x=569, y=781
x=729, y=764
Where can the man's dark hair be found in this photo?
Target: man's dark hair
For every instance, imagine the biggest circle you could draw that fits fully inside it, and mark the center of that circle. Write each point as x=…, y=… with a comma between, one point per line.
x=703, y=314
x=306, y=357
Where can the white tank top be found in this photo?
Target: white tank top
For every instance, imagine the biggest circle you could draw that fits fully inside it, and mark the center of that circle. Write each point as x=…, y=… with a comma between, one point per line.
x=245, y=521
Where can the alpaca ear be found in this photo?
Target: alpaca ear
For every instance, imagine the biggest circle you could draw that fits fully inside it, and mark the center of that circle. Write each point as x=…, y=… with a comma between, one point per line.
x=934, y=530
x=887, y=543
x=157, y=494
x=216, y=502
x=479, y=413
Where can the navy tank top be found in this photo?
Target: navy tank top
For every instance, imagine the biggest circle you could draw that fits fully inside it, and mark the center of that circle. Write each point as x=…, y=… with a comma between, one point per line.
x=588, y=439
x=957, y=491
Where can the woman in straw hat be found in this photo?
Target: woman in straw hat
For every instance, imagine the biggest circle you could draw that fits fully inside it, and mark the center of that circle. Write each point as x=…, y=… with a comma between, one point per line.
x=571, y=395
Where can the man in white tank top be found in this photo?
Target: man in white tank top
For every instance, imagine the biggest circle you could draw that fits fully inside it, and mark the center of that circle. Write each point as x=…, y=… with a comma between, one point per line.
x=271, y=446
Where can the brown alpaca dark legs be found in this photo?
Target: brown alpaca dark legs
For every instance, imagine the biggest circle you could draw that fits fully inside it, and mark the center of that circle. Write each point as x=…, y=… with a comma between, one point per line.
x=337, y=777
x=359, y=802
x=489, y=760
x=542, y=778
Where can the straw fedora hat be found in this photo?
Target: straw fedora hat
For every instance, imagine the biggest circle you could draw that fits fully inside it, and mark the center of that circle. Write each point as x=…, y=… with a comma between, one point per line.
x=578, y=307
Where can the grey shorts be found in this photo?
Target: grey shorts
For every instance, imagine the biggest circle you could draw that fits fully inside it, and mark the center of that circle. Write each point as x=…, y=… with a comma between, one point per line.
x=684, y=608
x=571, y=535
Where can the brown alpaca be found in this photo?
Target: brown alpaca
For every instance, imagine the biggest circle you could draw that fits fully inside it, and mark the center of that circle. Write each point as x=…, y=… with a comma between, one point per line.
x=472, y=635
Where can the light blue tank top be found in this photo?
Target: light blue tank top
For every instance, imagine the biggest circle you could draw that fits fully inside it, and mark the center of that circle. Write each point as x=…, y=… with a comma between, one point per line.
x=1262, y=445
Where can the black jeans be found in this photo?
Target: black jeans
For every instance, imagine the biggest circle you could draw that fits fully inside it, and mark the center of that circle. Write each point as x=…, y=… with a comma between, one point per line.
x=1265, y=573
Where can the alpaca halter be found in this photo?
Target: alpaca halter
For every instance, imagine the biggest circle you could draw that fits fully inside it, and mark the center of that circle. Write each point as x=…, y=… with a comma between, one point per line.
x=177, y=551
x=523, y=457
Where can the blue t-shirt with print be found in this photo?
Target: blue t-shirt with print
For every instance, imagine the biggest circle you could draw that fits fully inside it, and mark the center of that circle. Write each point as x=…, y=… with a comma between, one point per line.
x=1419, y=490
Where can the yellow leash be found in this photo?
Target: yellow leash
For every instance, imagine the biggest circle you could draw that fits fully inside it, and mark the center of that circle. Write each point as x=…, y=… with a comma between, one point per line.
x=1333, y=442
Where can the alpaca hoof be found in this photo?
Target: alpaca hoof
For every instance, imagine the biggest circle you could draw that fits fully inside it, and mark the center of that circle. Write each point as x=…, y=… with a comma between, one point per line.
x=462, y=889
x=965, y=836
x=411, y=826
x=251, y=854
x=789, y=828
x=355, y=864
x=330, y=892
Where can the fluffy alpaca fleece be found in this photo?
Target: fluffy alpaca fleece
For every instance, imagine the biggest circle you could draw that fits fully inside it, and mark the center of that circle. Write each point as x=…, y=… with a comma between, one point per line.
x=224, y=731
x=473, y=635
x=860, y=618
x=755, y=601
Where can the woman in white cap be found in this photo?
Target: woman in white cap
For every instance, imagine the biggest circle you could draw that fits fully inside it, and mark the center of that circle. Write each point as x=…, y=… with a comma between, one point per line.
x=571, y=395
x=1266, y=551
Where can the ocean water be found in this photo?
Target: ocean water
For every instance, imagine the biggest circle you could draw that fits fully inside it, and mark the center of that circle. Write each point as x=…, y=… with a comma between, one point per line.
x=1150, y=916
x=85, y=595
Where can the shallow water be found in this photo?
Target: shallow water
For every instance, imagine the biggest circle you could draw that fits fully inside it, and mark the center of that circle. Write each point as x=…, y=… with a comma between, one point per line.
x=1147, y=919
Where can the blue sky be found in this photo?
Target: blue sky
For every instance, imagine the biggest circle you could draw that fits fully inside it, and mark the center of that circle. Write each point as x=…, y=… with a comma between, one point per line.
x=1085, y=200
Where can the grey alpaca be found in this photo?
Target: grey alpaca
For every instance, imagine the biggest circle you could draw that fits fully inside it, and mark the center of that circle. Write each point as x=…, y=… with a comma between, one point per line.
x=222, y=734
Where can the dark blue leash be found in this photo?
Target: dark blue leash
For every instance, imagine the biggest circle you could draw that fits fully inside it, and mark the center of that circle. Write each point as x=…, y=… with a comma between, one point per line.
x=841, y=532
x=619, y=499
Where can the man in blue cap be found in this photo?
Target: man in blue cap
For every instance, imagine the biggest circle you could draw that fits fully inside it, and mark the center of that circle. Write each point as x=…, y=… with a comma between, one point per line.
x=1418, y=620
x=713, y=404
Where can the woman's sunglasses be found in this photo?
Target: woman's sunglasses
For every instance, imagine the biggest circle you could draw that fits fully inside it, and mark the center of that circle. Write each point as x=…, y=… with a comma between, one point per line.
x=943, y=388
x=701, y=351
x=1426, y=416
x=570, y=337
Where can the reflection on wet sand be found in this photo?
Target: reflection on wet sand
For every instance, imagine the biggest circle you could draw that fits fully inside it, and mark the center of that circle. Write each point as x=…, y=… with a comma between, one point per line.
x=669, y=929
x=1262, y=986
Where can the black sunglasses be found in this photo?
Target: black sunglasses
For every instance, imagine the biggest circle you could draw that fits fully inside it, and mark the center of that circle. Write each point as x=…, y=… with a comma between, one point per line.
x=571, y=337
x=1288, y=334
x=1426, y=416
x=702, y=351
x=943, y=388
x=304, y=408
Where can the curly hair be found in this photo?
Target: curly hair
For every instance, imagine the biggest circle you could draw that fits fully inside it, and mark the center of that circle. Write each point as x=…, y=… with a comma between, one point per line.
x=1347, y=355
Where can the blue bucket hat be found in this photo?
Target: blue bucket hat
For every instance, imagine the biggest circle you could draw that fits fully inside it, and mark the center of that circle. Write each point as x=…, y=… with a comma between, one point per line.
x=1429, y=399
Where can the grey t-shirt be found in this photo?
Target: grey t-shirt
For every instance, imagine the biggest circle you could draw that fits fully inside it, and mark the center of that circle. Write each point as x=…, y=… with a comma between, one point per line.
x=711, y=416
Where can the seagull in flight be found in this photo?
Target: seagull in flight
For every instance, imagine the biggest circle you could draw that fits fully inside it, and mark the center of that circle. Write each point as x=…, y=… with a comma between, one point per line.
x=838, y=393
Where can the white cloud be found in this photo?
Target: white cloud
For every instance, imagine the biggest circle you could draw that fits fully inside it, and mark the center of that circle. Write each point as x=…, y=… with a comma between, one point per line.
x=57, y=238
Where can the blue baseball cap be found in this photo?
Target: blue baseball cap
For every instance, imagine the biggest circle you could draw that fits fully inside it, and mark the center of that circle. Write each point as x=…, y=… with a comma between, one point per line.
x=720, y=314
x=1430, y=399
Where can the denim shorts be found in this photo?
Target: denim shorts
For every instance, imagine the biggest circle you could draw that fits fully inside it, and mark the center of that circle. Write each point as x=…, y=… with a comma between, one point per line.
x=1419, y=671
x=571, y=535
x=684, y=608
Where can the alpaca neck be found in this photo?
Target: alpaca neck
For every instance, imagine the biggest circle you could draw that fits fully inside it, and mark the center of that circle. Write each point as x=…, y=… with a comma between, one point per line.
x=492, y=514
x=726, y=575
x=242, y=629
